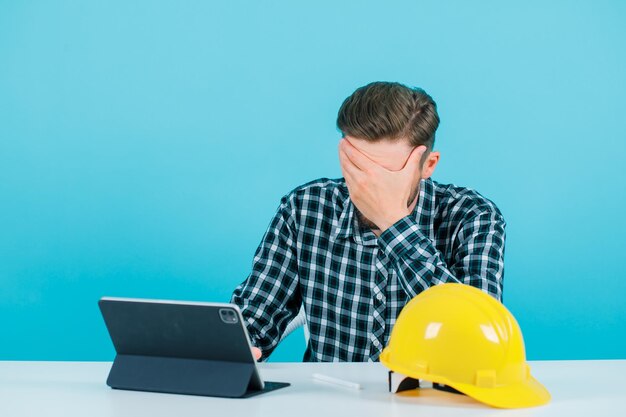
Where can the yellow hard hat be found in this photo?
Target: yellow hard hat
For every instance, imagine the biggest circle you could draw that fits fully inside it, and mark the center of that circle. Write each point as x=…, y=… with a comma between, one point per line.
x=457, y=335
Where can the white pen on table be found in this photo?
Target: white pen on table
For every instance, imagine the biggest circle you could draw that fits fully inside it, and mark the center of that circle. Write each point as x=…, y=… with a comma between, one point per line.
x=337, y=381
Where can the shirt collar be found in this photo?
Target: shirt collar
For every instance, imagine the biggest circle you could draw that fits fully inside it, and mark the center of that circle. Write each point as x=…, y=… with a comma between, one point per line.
x=424, y=211
x=344, y=228
x=348, y=226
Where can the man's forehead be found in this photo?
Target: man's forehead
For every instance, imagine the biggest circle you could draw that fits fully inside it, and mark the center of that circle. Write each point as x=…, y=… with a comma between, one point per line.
x=391, y=154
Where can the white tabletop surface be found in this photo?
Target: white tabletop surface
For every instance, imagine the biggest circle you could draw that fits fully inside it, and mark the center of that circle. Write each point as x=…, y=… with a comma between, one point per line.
x=578, y=388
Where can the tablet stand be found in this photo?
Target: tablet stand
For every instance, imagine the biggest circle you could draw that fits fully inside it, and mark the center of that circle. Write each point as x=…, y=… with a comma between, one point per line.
x=185, y=376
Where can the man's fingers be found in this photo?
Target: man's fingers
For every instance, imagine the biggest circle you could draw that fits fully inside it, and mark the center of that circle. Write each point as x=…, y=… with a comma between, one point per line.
x=350, y=173
x=357, y=158
x=350, y=177
x=415, y=157
x=256, y=352
x=347, y=166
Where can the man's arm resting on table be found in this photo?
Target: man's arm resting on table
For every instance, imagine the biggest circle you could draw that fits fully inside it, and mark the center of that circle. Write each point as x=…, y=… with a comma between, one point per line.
x=478, y=254
x=269, y=298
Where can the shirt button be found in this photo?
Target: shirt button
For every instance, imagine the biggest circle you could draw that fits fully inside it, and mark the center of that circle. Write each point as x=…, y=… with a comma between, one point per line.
x=379, y=296
x=376, y=342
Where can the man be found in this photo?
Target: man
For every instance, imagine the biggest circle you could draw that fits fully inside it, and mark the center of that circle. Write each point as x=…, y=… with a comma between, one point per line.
x=353, y=251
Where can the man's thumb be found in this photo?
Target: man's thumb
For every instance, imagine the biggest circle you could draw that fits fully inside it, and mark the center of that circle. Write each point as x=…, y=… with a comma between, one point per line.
x=416, y=157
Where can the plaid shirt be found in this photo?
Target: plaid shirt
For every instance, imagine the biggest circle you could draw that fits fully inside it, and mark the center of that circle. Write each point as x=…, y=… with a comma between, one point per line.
x=352, y=283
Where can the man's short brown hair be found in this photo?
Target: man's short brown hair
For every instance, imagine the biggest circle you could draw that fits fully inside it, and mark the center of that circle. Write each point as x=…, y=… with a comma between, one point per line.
x=390, y=111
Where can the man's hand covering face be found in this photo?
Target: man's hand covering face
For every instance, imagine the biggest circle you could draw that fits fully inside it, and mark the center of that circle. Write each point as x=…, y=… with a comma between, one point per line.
x=381, y=195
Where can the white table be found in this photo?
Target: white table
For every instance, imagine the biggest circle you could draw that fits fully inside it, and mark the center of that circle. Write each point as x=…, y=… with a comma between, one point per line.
x=579, y=388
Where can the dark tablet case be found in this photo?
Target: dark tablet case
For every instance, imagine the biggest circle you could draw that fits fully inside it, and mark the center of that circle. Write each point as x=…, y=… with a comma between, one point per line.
x=180, y=349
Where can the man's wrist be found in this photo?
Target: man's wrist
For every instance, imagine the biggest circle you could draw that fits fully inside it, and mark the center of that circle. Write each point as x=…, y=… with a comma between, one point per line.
x=403, y=238
x=390, y=221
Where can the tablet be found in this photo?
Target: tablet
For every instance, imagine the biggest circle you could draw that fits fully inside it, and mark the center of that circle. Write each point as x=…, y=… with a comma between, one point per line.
x=181, y=347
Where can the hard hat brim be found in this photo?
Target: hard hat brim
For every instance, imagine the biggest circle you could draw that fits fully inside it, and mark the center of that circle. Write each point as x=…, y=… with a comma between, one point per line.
x=528, y=394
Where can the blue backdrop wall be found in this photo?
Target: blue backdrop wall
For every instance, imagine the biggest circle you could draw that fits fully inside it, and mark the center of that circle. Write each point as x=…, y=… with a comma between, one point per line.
x=145, y=145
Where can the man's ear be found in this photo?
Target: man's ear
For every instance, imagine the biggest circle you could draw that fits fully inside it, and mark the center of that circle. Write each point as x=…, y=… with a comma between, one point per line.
x=432, y=159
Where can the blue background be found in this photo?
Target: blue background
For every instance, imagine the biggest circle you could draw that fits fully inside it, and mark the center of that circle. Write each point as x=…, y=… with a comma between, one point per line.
x=145, y=145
